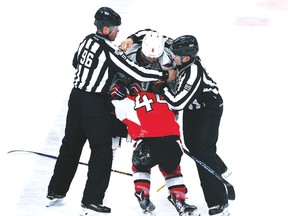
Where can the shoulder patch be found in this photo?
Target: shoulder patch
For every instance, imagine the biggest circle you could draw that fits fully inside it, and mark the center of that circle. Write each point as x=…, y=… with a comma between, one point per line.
x=121, y=53
x=187, y=87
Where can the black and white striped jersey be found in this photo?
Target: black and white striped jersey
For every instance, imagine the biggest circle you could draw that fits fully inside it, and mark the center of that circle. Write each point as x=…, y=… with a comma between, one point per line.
x=98, y=60
x=195, y=89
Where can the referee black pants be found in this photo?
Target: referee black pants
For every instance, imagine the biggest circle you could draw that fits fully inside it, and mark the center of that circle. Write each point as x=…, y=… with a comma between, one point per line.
x=200, y=132
x=88, y=119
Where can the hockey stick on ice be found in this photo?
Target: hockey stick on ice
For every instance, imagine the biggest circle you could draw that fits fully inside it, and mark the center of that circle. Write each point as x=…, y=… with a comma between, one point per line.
x=160, y=188
x=54, y=157
x=229, y=187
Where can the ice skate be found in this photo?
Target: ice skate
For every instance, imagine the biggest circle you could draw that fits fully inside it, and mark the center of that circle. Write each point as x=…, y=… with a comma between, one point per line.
x=94, y=210
x=183, y=208
x=54, y=199
x=219, y=210
x=145, y=203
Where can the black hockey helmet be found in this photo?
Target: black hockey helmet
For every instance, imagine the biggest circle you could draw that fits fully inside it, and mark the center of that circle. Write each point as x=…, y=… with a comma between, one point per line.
x=105, y=16
x=185, y=45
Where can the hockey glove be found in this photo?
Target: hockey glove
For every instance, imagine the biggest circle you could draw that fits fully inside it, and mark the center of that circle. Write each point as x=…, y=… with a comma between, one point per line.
x=119, y=91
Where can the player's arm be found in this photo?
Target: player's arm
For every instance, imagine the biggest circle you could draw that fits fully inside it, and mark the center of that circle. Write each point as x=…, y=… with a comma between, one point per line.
x=134, y=38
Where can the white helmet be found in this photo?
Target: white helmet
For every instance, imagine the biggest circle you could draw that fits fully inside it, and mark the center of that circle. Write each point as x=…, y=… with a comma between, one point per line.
x=153, y=45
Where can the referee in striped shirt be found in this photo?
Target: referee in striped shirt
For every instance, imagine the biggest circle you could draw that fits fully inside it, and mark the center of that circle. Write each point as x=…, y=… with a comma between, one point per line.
x=197, y=94
x=96, y=61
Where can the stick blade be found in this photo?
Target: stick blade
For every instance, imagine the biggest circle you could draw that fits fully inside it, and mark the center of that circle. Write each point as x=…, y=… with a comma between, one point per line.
x=230, y=190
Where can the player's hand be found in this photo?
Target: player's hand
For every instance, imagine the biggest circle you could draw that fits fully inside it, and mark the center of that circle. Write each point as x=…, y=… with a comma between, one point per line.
x=172, y=74
x=126, y=44
x=158, y=86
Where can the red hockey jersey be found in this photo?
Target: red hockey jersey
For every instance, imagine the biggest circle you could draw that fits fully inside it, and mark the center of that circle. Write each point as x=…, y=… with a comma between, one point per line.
x=146, y=115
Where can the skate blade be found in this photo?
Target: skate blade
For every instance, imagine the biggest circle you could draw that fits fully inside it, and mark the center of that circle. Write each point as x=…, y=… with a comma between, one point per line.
x=191, y=213
x=53, y=202
x=149, y=213
x=89, y=212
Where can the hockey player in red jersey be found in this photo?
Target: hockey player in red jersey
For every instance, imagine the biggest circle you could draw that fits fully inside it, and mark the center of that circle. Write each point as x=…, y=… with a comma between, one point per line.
x=153, y=127
x=152, y=124
x=140, y=119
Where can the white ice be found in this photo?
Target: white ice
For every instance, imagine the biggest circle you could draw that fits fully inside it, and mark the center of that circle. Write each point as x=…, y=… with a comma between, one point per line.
x=243, y=44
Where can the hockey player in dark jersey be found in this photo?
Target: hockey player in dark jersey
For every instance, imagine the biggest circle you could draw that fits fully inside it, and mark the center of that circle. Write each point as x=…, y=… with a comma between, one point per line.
x=150, y=53
x=152, y=125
